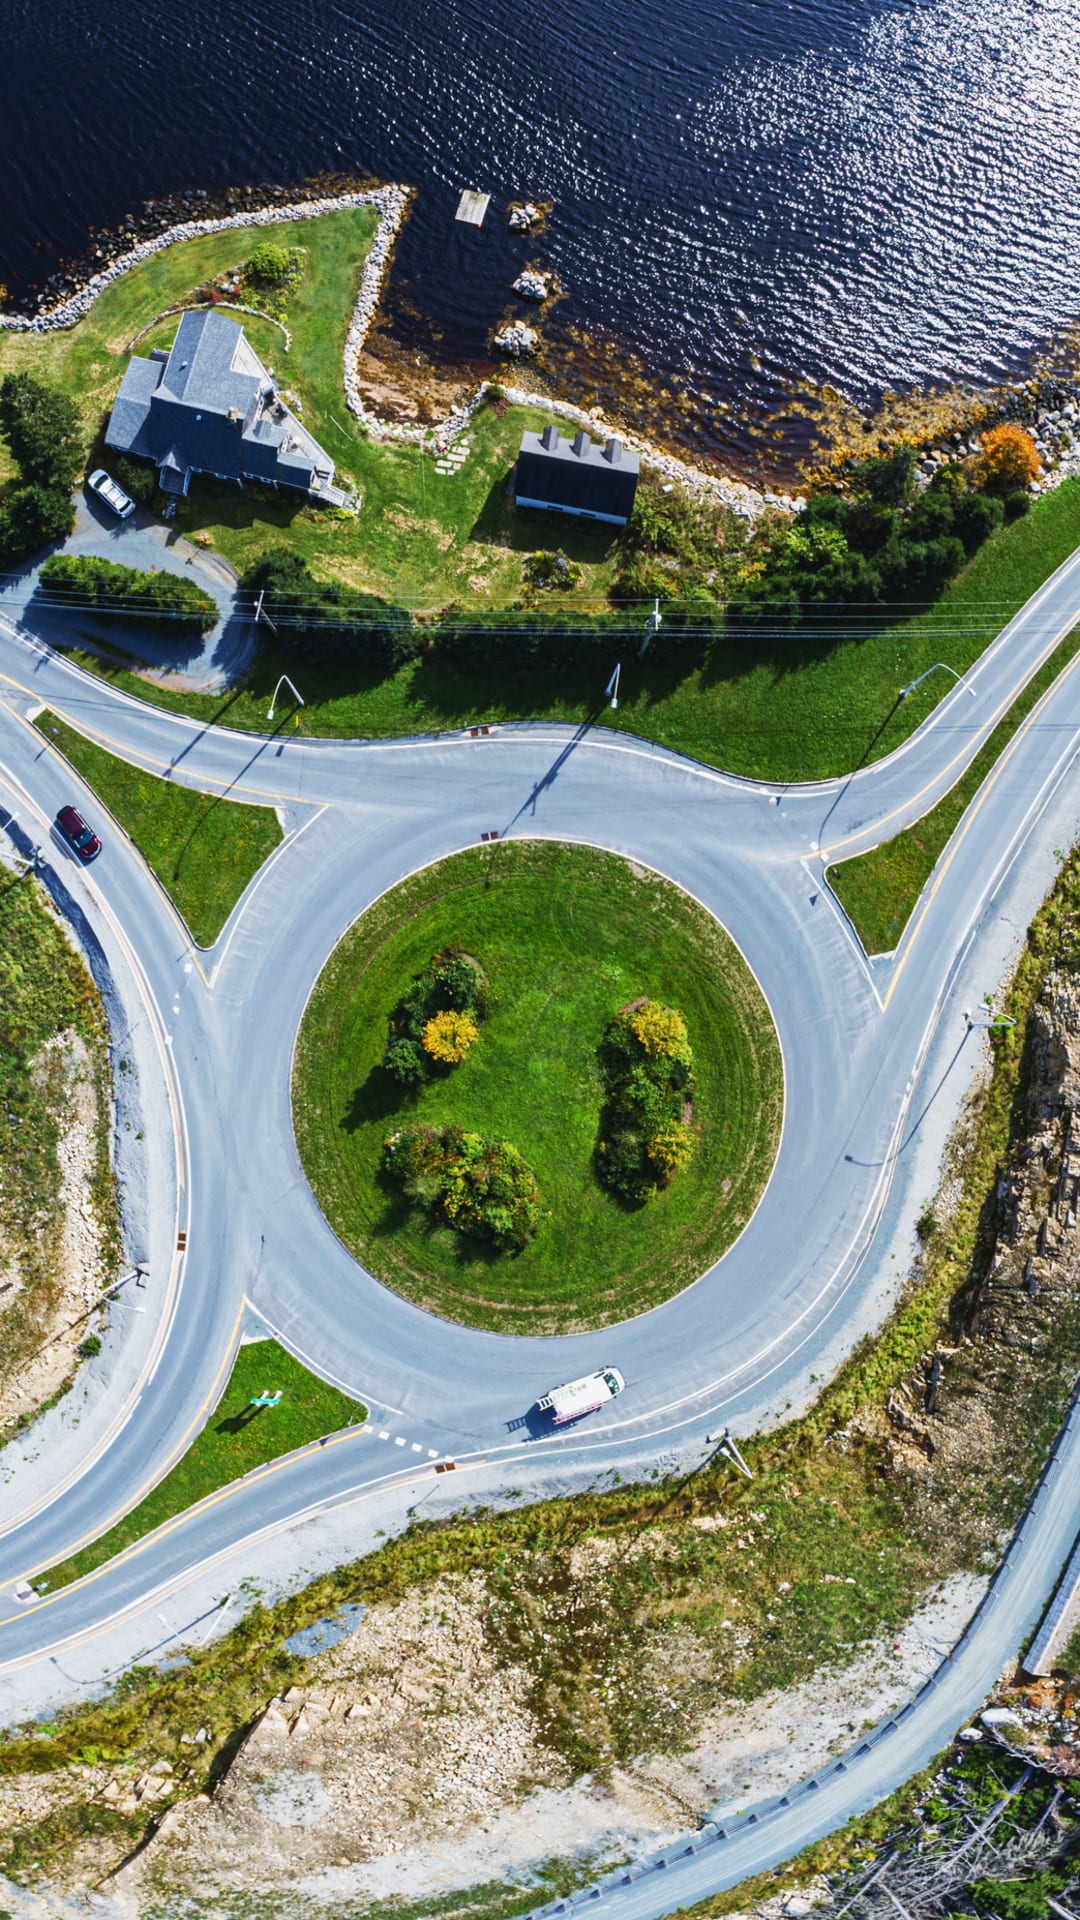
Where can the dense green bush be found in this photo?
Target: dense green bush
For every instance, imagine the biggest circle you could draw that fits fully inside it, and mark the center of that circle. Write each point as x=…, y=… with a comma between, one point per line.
x=677, y=546
x=31, y=518
x=269, y=262
x=43, y=430
x=879, y=540
x=326, y=621
x=137, y=477
x=472, y=1182
x=647, y=1067
x=104, y=586
x=450, y=983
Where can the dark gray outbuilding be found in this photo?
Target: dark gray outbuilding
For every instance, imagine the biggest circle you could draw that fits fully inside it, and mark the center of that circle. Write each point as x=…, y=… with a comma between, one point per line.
x=208, y=405
x=577, y=476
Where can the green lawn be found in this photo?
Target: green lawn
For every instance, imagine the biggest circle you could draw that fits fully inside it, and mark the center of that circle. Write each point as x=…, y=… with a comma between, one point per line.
x=204, y=849
x=88, y=360
x=566, y=936
x=780, y=706
x=879, y=890
x=236, y=1439
x=422, y=537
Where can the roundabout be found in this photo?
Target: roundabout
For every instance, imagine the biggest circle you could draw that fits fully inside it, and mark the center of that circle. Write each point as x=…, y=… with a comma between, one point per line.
x=869, y=1053
x=566, y=935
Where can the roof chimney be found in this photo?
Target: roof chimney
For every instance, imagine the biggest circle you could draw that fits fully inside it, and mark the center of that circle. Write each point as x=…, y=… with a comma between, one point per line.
x=549, y=438
x=582, y=443
x=613, y=452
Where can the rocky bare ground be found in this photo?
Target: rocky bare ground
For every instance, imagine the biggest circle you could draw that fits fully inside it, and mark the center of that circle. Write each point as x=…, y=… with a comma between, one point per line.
x=411, y=1763
x=40, y=1335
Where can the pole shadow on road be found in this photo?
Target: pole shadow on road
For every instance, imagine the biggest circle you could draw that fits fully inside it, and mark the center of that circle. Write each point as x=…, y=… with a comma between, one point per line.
x=919, y=1118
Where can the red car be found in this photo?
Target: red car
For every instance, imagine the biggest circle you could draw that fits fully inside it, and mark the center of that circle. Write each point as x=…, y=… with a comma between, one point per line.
x=82, y=840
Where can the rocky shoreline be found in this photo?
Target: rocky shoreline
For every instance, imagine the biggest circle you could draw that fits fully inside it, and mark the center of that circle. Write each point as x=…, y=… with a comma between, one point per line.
x=1049, y=407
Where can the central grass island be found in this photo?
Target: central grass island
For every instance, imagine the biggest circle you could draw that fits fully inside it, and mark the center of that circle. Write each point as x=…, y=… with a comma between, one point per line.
x=566, y=939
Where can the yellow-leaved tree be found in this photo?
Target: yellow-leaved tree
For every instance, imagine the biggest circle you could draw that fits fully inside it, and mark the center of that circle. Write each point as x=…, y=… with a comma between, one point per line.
x=449, y=1035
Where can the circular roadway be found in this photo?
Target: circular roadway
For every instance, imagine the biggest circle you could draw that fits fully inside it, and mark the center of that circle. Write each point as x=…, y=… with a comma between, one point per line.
x=360, y=817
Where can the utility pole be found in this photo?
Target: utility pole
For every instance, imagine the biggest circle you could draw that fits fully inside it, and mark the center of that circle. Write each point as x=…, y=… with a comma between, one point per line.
x=259, y=614
x=652, y=625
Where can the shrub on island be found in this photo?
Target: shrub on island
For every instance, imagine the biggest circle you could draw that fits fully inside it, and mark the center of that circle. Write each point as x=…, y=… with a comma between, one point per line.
x=645, y=1132
x=474, y=1183
x=269, y=262
x=104, y=587
x=437, y=1020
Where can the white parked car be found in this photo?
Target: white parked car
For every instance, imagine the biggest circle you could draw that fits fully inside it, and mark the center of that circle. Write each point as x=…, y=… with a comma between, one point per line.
x=582, y=1396
x=113, y=496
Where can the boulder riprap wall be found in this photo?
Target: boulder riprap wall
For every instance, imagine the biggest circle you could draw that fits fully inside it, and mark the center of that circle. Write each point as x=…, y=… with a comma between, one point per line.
x=517, y=340
x=390, y=201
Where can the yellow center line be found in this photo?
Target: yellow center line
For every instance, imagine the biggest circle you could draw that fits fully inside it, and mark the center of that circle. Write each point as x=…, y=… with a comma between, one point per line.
x=966, y=752
x=966, y=824
x=197, y=1420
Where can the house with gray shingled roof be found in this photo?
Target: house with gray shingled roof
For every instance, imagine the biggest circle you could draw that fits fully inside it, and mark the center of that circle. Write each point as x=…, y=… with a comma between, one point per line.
x=576, y=476
x=208, y=405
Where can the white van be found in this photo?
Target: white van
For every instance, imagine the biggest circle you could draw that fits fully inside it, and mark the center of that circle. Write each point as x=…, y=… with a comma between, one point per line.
x=587, y=1395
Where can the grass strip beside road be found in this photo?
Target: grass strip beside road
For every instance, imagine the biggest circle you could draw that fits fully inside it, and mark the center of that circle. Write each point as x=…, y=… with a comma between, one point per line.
x=204, y=849
x=236, y=1439
x=784, y=704
x=878, y=890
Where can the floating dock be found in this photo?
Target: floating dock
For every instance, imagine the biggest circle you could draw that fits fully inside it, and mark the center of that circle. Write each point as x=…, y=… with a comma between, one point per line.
x=472, y=207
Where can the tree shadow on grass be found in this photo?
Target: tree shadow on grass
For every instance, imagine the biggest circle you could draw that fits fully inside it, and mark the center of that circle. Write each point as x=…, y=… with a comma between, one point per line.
x=375, y=1100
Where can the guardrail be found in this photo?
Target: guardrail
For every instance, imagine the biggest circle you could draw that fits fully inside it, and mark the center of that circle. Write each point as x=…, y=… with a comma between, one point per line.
x=717, y=1833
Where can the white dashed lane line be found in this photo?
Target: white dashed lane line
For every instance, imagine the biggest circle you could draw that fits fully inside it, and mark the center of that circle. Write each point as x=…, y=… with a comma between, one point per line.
x=400, y=1441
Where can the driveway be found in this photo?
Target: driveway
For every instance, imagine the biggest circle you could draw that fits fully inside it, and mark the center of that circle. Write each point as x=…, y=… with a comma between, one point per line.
x=200, y=662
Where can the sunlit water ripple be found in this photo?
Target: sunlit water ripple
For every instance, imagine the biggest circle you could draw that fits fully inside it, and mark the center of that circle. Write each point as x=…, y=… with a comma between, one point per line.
x=867, y=193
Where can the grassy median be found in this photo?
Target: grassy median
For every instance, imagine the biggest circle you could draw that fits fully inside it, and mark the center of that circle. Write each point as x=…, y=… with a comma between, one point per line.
x=879, y=889
x=236, y=1439
x=203, y=848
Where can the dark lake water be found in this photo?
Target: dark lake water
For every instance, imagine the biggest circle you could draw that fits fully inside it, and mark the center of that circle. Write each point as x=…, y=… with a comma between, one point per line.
x=869, y=193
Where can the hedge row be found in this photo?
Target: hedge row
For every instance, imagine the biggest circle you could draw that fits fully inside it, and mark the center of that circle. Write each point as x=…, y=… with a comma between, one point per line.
x=103, y=586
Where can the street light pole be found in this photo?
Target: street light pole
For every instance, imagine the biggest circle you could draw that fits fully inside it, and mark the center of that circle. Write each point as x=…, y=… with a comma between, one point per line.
x=945, y=668
x=284, y=682
x=652, y=625
x=611, y=691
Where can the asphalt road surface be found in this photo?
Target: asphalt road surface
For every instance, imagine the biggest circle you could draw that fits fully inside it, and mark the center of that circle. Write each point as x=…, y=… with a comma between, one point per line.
x=361, y=816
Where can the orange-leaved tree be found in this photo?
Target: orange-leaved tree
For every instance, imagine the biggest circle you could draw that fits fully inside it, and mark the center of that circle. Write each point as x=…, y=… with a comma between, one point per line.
x=1010, y=459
